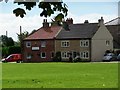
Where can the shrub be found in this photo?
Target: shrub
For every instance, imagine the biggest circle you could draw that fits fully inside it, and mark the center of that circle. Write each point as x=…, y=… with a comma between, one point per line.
x=57, y=57
x=5, y=52
x=14, y=49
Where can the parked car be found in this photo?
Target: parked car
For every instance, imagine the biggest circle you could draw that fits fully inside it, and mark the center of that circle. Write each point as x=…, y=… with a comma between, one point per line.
x=110, y=57
x=118, y=57
x=13, y=58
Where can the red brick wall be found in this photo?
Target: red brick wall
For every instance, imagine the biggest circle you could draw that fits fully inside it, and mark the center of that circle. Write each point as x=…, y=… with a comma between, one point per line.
x=36, y=55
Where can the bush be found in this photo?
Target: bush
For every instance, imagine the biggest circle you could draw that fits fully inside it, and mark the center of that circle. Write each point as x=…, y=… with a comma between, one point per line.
x=10, y=50
x=5, y=52
x=14, y=49
x=57, y=57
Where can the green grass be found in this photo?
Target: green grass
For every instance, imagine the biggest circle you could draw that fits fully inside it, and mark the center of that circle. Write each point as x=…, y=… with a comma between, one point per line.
x=60, y=75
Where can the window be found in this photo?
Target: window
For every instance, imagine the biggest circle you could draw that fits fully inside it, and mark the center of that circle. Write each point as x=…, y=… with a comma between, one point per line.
x=84, y=55
x=28, y=44
x=65, y=54
x=65, y=44
x=107, y=42
x=52, y=54
x=43, y=43
x=84, y=43
x=29, y=56
x=43, y=55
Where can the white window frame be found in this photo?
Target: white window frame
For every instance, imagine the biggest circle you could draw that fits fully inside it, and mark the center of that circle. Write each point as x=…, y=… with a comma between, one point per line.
x=53, y=54
x=43, y=43
x=84, y=43
x=64, y=43
x=83, y=54
x=42, y=56
x=107, y=42
x=28, y=43
x=65, y=54
x=29, y=56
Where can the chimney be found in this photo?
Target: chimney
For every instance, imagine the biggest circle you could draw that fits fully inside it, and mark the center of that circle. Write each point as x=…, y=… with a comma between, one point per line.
x=101, y=22
x=86, y=21
x=45, y=23
x=69, y=21
x=66, y=26
x=6, y=33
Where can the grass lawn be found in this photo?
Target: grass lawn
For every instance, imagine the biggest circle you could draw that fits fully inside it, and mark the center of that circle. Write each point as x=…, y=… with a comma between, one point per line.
x=60, y=75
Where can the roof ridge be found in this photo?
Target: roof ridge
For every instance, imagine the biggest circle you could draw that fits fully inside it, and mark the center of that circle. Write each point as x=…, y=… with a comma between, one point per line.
x=112, y=20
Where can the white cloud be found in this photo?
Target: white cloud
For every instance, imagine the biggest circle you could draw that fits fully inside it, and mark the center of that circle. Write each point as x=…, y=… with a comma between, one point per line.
x=10, y=23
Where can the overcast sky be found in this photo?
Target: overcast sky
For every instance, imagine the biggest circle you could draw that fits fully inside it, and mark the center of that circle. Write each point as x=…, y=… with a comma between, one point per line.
x=78, y=10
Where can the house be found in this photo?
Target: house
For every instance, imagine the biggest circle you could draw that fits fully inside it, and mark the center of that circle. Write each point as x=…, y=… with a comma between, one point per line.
x=87, y=40
x=114, y=28
x=39, y=46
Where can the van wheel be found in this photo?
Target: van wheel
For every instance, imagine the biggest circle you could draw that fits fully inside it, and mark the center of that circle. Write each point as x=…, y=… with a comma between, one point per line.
x=18, y=61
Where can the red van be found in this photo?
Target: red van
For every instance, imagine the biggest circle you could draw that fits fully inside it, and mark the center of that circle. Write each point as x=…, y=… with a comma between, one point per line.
x=13, y=58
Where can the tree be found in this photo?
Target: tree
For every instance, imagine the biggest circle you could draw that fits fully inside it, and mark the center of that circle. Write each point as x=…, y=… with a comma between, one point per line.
x=33, y=32
x=6, y=41
x=48, y=8
x=23, y=35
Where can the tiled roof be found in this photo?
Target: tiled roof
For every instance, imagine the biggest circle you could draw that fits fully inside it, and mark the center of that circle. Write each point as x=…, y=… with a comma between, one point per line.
x=45, y=33
x=86, y=30
x=115, y=31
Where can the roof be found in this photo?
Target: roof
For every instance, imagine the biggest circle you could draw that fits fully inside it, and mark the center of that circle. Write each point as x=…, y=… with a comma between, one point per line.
x=114, y=30
x=44, y=33
x=76, y=31
x=115, y=21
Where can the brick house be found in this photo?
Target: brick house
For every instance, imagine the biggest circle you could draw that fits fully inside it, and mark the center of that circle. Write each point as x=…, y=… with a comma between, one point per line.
x=88, y=40
x=40, y=46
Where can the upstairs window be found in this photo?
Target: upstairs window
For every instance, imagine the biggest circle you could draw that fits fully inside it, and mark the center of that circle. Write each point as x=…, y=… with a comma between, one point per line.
x=43, y=43
x=84, y=43
x=107, y=43
x=65, y=43
x=28, y=44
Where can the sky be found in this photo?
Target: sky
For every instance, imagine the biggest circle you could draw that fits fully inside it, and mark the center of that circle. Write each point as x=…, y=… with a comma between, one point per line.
x=79, y=10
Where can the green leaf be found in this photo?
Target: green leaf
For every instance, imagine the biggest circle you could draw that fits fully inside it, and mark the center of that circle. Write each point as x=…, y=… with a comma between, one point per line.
x=19, y=12
x=59, y=17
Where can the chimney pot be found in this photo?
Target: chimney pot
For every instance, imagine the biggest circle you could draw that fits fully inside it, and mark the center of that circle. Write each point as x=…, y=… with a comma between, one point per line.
x=101, y=21
x=86, y=21
x=69, y=21
x=45, y=23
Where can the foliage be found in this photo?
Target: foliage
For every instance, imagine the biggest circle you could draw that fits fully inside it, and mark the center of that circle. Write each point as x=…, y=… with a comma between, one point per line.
x=57, y=57
x=14, y=50
x=5, y=52
x=10, y=50
x=33, y=32
x=118, y=52
x=23, y=35
x=48, y=8
x=60, y=75
x=6, y=41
